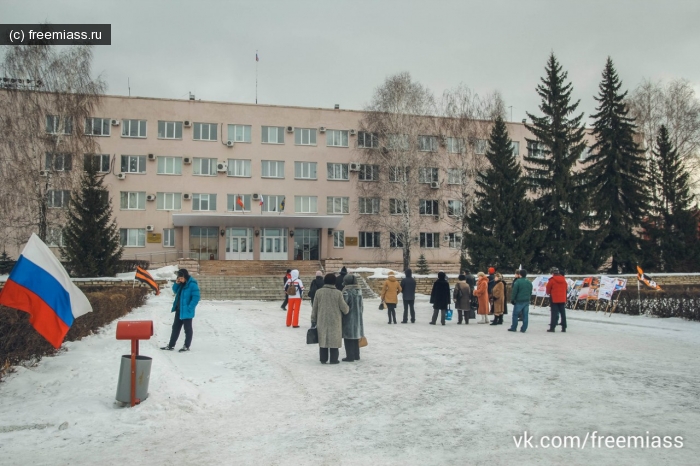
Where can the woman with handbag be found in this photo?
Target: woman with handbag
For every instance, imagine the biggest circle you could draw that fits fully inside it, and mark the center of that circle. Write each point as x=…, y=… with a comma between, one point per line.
x=462, y=296
x=482, y=293
x=499, y=296
x=440, y=298
x=353, y=324
x=328, y=309
x=390, y=296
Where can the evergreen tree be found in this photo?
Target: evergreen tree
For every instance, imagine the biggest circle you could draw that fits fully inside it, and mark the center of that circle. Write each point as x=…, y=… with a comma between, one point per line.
x=551, y=158
x=422, y=267
x=503, y=226
x=616, y=181
x=672, y=243
x=91, y=239
x=6, y=262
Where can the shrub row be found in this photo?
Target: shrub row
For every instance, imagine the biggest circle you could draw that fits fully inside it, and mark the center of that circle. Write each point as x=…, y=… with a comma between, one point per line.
x=124, y=266
x=19, y=341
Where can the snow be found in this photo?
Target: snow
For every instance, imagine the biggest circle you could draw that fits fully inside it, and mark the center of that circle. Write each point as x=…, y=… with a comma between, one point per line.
x=379, y=272
x=252, y=392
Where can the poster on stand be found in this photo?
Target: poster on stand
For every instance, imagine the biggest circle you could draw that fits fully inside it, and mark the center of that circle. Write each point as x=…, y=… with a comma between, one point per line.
x=607, y=287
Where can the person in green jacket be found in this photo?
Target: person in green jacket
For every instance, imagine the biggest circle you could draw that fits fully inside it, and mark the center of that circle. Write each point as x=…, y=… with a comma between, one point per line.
x=520, y=295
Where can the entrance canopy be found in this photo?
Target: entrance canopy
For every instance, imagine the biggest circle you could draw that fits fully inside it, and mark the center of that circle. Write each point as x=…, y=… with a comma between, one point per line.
x=257, y=221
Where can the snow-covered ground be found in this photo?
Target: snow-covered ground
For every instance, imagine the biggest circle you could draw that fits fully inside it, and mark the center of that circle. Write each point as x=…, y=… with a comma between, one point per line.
x=252, y=392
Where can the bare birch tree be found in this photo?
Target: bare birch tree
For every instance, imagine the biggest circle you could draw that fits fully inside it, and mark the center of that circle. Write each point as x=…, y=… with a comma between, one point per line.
x=46, y=95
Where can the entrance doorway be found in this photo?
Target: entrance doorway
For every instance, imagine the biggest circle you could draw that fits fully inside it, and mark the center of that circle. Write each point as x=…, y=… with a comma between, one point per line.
x=306, y=244
x=273, y=244
x=239, y=244
x=204, y=243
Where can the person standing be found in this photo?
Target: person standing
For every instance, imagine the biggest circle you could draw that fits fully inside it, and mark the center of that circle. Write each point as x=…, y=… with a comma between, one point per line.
x=287, y=276
x=471, y=281
x=353, y=324
x=482, y=294
x=294, y=289
x=187, y=297
x=492, y=282
x=516, y=276
x=556, y=289
x=462, y=296
x=498, y=295
x=339, y=280
x=522, y=290
x=326, y=316
x=440, y=298
x=316, y=285
x=408, y=296
x=390, y=295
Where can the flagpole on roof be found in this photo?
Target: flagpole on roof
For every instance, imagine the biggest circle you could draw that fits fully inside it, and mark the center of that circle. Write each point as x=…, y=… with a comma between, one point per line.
x=256, y=77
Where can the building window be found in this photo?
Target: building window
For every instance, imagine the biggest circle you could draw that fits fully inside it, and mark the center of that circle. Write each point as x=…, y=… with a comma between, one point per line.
x=273, y=135
x=169, y=130
x=239, y=133
x=395, y=240
x=455, y=176
x=58, y=125
x=455, y=208
x=369, y=172
x=98, y=126
x=305, y=136
x=338, y=172
x=480, y=146
x=455, y=240
x=100, y=162
x=430, y=240
x=169, y=201
x=338, y=238
x=516, y=148
x=204, y=202
x=239, y=167
x=54, y=237
x=272, y=169
x=305, y=204
x=169, y=165
x=398, y=174
x=535, y=149
x=273, y=203
x=134, y=128
x=337, y=138
x=305, y=170
x=369, y=205
x=205, y=132
x=338, y=205
x=369, y=239
x=398, y=141
x=428, y=207
x=367, y=140
x=57, y=198
x=132, y=200
x=427, y=175
x=169, y=237
x=132, y=237
x=133, y=164
x=397, y=206
x=204, y=167
x=428, y=143
x=455, y=145
x=58, y=162
x=234, y=201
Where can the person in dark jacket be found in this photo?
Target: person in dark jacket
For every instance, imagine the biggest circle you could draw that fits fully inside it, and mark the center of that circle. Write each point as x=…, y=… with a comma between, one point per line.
x=316, y=285
x=408, y=296
x=187, y=296
x=462, y=296
x=522, y=290
x=339, y=279
x=557, y=289
x=471, y=281
x=287, y=276
x=440, y=298
x=353, y=324
x=492, y=282
x=516, y=276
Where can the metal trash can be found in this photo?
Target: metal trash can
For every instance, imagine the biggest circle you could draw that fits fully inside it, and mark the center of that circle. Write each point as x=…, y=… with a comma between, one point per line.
x=143, y=375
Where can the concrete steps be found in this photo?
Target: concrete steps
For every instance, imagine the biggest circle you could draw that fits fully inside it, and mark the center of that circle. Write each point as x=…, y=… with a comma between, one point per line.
x=258, y=268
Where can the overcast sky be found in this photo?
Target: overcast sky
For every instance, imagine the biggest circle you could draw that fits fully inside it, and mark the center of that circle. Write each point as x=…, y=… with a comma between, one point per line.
x=321, y=53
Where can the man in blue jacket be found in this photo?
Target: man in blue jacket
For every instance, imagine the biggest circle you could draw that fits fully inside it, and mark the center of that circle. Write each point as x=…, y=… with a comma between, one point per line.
x=186, y=292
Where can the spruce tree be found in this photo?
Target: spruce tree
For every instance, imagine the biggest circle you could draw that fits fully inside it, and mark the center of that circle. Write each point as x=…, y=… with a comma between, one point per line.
x=672, y=243
x=6, y=262
x=422, y=265
x=615, y=176
x=550, y=163
x=91, y=239
x=503, y=226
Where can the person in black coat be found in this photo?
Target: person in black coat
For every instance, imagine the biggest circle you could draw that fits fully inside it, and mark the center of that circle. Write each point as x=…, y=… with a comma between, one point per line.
x=287, y=276
x=316, y=285
x=471, y=281
x=440, y=298
x=408, y=296
x=339, y=279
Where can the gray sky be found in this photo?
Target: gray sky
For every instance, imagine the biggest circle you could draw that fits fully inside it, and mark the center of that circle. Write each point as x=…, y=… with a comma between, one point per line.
x=319, y=53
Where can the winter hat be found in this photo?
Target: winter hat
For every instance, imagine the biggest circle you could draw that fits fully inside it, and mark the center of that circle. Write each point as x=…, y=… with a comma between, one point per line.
x=343, y=271
x=349, y=280
x=391, y=273
x=441, y=275
x=183, y=273
x=554, y=271
x=461, y=278
x=481, y=274
x=319, y=273
x=491, y=270
x=329, y=279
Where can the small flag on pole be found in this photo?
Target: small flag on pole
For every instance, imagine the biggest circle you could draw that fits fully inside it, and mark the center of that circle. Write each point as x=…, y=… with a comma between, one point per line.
x=282, y=204
x=646, y=279
x=143, y=276
x=262, y=201
x=239, y=201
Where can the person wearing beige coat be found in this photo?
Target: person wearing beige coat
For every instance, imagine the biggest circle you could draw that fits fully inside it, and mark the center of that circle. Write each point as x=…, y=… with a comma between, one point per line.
x=390, y=295
x=327, y=316
x=499, y=299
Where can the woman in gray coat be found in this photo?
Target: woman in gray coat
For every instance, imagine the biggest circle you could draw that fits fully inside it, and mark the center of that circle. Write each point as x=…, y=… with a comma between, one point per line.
x=326, y=316
x=353, y=326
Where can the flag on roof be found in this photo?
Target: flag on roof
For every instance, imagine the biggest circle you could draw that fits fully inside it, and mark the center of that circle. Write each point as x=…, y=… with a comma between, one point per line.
x=40, y=286
x=143, y=276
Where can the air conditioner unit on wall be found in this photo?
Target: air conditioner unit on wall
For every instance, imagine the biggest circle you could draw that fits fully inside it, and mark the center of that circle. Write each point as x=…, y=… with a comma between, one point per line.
x=229, y=143
x=256, y=196
x=43, y=173
x=115, y=122
x=446, y=237
x=322, y=129
x=354, y=167
x=352, y=132
x=151, y=156
x=187, y=160
x=436, y=218
x=187, y=123
x=187, y=196
x=222, y=167
x=151, y=197
x=434, y=185
x=150, y=228
x=290, y=129
x=121, y=176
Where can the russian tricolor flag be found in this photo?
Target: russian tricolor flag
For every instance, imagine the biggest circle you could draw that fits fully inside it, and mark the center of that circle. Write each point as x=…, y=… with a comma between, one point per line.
x=40, y=286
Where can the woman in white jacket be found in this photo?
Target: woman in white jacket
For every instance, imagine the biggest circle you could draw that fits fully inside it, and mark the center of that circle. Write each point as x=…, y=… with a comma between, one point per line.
x=294, y=303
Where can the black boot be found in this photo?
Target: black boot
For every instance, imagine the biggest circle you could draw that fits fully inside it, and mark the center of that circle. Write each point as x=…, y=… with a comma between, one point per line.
x=388, y=313
x=500, y=319
x=393, y=314
x=495, y=320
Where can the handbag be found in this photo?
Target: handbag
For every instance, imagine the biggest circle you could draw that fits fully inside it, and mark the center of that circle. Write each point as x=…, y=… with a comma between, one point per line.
x=472, y=313
x=448, y=314
x=381, y=306
x=363, y=342
x=312, y=336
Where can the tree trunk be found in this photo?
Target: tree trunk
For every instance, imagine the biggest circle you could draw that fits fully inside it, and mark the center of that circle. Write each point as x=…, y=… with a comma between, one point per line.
x=406, y=256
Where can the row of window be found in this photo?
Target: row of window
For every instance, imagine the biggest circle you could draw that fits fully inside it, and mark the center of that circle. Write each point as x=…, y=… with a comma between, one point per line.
x=428, y=240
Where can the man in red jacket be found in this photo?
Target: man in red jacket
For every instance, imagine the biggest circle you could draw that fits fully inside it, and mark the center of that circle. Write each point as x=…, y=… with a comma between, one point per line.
x=556, y=289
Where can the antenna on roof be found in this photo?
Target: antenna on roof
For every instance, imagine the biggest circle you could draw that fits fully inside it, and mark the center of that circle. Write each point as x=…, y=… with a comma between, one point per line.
x=128, y=84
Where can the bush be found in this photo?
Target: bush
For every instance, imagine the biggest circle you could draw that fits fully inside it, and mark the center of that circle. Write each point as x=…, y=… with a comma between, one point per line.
x=128, y=265
x=20, y=342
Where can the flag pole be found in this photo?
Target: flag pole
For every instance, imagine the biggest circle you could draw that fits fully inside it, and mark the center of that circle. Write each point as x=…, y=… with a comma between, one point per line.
x=256, y=77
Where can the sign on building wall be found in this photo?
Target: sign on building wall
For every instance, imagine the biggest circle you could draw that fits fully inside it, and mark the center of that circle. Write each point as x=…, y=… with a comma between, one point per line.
x=351, y=240
x=154, y=237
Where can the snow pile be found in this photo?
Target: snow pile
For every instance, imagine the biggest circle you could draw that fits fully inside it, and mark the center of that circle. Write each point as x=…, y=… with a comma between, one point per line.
x=169, y=272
